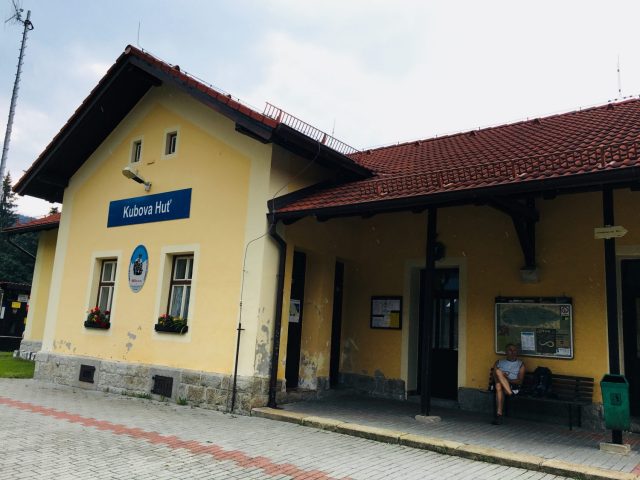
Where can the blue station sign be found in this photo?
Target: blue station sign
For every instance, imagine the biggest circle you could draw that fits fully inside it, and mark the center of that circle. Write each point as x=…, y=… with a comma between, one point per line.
x=150, y=208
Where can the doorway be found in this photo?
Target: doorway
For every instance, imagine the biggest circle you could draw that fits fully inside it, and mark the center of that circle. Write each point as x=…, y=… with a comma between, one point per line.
x=336, y=326
x=444, y=335
x=630, y=276
x=294, y=337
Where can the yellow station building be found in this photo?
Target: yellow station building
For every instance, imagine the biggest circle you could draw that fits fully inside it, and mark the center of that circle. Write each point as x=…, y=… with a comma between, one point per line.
x=247, y=258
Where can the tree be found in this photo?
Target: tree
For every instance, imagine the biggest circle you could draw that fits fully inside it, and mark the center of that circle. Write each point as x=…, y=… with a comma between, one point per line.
x=15, y=266
x=8, y=215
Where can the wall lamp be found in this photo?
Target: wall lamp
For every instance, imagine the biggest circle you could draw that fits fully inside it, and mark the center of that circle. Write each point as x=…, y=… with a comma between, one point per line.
x=133, y=175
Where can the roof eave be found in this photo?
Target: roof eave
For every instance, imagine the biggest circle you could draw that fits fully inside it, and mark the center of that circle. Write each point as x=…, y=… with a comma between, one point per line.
x=127, y=81
x=35, y=179
x=31, y=228
x=620, y=178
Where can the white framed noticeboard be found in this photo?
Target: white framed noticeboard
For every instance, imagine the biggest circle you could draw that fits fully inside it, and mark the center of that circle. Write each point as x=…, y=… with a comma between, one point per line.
x=386, y=312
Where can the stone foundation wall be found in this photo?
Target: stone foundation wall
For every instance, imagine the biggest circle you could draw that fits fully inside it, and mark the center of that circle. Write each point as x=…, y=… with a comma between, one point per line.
x=377, y=386
x=204, y=389
x=28, y=349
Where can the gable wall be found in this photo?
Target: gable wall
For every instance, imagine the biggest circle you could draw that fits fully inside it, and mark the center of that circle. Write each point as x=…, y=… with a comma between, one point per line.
x=220, y=166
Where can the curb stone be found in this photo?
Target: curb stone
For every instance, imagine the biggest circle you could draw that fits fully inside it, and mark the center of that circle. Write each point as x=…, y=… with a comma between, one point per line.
x=438, y=445
x=447, y=447
x=322, y=423
x=370, y=433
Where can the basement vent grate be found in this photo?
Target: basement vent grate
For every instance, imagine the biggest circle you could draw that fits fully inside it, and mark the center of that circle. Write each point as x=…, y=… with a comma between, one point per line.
x=162, y=385
x=86, y=373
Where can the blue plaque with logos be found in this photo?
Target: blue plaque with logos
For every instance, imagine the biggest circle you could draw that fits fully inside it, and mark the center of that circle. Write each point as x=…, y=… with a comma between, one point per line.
x=150, y=208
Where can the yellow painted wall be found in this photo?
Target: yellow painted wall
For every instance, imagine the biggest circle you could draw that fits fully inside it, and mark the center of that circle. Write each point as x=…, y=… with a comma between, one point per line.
x=290, y=172
x=286, y=172
x=570, y=263
x=377, y=253
x=220, y=166
x=40, y=285
x=323, y=245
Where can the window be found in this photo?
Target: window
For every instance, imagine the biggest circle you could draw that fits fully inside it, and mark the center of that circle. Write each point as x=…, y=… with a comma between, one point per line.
x=136, y=151
x=180, y=287
x=171, y=143
x=106, y=285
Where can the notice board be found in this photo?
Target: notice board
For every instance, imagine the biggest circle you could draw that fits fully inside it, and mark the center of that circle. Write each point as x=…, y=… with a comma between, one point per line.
x=386, y=312
x=538, y=326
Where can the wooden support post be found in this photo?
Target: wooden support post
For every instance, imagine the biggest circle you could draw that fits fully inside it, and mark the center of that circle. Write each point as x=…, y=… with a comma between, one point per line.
x=427, y=295
x=612, y=294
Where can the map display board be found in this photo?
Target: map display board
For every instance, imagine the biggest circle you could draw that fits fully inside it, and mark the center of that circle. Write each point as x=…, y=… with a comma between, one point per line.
x=538, y=326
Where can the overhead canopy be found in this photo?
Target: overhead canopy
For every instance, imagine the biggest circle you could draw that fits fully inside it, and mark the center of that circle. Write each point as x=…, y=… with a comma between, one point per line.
x=45, y=223
x=575, y=151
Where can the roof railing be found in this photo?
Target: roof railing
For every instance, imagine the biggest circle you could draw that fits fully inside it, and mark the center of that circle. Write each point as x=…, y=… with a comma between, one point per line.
x=333, y=143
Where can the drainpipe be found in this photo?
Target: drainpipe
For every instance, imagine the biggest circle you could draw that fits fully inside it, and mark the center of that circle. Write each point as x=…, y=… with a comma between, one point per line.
x=275, y=350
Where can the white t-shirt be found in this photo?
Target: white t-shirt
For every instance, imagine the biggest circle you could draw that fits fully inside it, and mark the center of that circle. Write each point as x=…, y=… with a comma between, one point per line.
x=510, y=368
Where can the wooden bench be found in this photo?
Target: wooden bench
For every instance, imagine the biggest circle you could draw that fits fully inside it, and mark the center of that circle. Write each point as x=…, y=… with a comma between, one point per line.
x=574, y=392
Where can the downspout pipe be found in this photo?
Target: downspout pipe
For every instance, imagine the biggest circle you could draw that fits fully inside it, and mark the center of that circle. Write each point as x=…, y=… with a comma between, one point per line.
x=275, y=349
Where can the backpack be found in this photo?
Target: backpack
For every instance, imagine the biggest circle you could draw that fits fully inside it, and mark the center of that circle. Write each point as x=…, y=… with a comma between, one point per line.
x=541, y=382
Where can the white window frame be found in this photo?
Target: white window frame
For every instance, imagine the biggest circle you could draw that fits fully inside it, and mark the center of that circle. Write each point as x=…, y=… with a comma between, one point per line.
x=136, y=151
x=109, y=284
x=93, y=280
x=163, y=292
x=175, y=283
x=168, y=132
x=171, y=143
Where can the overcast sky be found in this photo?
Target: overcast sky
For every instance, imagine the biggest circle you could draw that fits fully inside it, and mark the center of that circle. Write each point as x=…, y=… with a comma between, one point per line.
x=374, y=72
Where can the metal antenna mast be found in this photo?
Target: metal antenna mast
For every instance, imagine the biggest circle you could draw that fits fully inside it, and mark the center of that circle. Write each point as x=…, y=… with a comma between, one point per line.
x=619, y=79
x=17, y=17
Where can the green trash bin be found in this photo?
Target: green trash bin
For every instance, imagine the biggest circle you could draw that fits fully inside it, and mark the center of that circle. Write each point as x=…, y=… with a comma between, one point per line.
x=615, y=399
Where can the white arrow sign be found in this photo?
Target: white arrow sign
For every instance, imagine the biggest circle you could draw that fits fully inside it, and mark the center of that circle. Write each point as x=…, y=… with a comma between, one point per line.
x=609, y=232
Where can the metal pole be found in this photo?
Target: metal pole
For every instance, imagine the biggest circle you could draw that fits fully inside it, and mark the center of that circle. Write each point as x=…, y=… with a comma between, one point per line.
x=14, y=97
x=427, y=328
x=612, y=295
x=235, y=368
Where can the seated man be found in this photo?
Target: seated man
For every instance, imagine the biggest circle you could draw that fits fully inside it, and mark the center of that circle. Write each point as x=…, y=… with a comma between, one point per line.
x=508, y=375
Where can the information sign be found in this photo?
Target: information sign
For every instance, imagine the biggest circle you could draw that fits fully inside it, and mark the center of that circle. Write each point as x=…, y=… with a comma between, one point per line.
x=538, y=326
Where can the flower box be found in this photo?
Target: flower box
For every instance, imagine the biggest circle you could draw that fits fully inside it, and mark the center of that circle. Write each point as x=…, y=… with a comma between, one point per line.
x=98, y=319
x=170, y=324
x=99, y=326
x=171, y=329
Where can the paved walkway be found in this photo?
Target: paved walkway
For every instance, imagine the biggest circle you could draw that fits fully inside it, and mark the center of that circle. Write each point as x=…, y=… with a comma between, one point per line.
x=49, y=432
x=578, y=447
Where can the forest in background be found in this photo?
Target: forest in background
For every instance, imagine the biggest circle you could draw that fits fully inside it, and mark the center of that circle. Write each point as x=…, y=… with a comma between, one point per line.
x=15, y=266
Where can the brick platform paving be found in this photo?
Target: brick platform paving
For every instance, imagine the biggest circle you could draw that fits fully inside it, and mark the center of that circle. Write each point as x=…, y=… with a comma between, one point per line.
x=61, y=433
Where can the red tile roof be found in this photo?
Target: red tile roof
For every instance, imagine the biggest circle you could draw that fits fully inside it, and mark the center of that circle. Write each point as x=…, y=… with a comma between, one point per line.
x=597, y=139
x=121, y=88
x=44, y=223
x=174, y=71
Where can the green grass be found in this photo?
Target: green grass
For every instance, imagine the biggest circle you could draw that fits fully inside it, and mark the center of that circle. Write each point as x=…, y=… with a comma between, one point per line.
x=15, y=367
